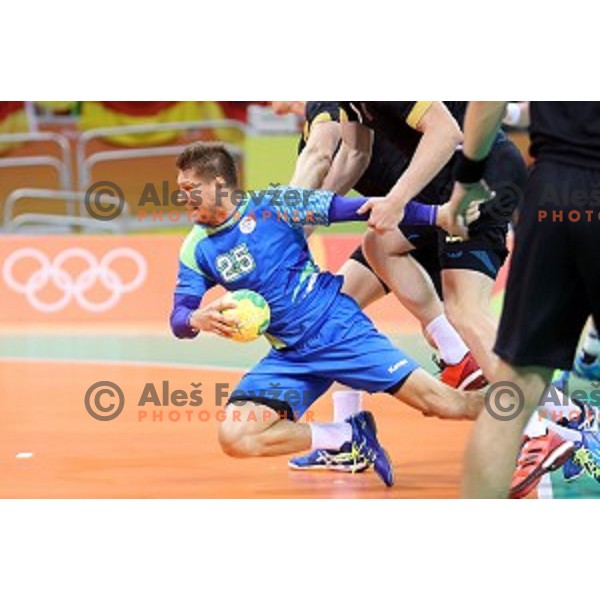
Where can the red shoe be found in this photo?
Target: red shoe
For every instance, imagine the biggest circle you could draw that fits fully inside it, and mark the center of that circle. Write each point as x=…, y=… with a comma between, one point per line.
x=466, y=375
x=538, y=456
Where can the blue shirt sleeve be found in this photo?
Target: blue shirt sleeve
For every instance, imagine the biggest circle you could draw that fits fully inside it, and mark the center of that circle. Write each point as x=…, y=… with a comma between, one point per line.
x=302, y=207
x=191, y=287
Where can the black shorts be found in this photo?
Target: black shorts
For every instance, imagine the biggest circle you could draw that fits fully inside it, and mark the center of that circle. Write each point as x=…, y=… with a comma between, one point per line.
x=554, y=280
x=427, y=257
x=484, y=252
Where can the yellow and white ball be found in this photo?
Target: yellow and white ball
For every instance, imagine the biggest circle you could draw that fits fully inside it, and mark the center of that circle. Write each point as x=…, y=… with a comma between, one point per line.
x=252, y=313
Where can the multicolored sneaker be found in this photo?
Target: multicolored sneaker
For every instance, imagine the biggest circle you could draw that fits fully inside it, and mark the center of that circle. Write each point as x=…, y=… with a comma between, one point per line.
x=586, y=369
x=571, y=470
x=365, y=445
x=538, y=456
x=587, y=456
x=466, y=375
x=562, y=381
x=343, y=460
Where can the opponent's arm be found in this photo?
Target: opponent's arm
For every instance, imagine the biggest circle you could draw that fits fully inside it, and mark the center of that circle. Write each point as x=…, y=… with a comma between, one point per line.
x=352, y=159
x=316, y=158
x=482, y=122
x=441, y=136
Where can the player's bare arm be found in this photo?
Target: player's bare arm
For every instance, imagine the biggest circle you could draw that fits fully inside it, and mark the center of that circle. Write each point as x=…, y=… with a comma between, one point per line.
x=482, y=121
x=352, y=158
x=315, y=161
x=441, y=136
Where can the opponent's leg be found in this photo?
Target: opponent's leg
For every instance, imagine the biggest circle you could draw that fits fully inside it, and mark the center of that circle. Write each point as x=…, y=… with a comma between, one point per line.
x=361, y=283
x=467, y=298
x=411, y=284
x=494, y=444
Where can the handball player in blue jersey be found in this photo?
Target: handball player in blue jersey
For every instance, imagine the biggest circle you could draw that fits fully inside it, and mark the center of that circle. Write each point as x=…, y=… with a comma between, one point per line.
x=318, y=334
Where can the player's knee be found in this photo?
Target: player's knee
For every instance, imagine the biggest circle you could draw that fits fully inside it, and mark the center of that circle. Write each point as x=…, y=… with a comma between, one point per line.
x=233, y=439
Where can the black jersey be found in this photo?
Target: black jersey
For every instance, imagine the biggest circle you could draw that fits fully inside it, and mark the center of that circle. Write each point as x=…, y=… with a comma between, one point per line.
x=387, y=163
x=398, y=121
x=567, y=132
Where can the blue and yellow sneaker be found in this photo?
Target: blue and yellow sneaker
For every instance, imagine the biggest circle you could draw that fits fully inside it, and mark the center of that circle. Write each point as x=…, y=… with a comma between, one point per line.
x=343, y=460
x=587, y=366
x=366, y=445
x=562, y=381
x=587, y=456
x=572, y=470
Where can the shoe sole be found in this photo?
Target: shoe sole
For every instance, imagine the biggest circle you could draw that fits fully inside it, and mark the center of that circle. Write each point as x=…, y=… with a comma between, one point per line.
x=475, y=381
x=556, y=459
x=339, y=468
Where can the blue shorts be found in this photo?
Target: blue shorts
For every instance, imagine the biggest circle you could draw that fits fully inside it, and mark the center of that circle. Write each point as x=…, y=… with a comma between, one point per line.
x=345, y=347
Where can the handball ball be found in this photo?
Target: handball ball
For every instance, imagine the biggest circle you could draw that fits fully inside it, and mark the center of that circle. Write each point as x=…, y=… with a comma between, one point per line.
x=252, y=313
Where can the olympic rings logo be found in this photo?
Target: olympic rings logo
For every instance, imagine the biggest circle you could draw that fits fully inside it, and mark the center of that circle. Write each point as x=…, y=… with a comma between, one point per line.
x=74, y=287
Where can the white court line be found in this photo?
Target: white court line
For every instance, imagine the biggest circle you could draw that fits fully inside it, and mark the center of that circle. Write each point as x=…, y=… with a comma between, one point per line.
x=121, y=363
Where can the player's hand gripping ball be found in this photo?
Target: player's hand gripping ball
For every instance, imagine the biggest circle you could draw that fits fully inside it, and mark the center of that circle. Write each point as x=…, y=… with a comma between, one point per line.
x=252, y=314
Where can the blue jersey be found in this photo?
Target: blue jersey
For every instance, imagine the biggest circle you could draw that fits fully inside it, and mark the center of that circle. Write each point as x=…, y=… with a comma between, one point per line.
x=262, y=247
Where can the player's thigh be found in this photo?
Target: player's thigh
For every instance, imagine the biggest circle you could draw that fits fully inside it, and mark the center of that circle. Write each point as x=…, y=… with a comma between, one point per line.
x=285, y=386
x=360, y=281
x=378, y=246
x=466, y=291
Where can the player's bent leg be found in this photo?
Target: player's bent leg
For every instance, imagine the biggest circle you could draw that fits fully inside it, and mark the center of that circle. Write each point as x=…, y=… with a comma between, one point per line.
x=467, y=300
x=360, y=282
x=430, y=396
x=252, y=429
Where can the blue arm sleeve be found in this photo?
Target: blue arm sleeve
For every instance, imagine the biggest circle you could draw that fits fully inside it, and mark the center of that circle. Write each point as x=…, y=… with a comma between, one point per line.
x=344, y=209
x=191, y=287
x=302, y=207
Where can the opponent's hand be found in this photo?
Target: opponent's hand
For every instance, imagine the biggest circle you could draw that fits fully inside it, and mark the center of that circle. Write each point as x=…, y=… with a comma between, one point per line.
x=212, y=320
x=463, y=207
x=385, y=213
x=457, y=225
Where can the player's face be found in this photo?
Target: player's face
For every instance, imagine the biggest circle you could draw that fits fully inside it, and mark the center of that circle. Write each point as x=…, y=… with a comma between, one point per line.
x=201, y=197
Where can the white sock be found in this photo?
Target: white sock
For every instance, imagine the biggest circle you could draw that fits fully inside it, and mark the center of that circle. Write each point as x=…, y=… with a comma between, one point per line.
x=330, y=436
x=452, y=348
x=345, y=404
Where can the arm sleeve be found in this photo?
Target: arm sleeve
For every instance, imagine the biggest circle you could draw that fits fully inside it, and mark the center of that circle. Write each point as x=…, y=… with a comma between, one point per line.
x=191, y=287
x=301, y=207
x=344, y=209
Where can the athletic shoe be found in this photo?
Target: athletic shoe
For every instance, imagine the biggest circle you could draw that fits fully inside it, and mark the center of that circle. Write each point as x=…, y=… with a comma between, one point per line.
x=538, y=456
x=589, y=371
x=587, y=456
x=563, y=381
x=572, y=470
x=366, y=446
x=466, y=375
x=331, y=460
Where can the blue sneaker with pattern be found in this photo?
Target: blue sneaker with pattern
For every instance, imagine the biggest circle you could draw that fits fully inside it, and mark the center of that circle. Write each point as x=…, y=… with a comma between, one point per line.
x=587, y=456
x=343, y=460
x=366, y=445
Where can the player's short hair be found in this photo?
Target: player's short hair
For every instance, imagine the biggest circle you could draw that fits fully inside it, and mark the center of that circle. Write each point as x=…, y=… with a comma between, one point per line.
x=210, y=159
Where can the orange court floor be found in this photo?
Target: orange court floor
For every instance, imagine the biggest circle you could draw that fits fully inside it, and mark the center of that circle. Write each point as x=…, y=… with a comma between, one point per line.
x=50, y=446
